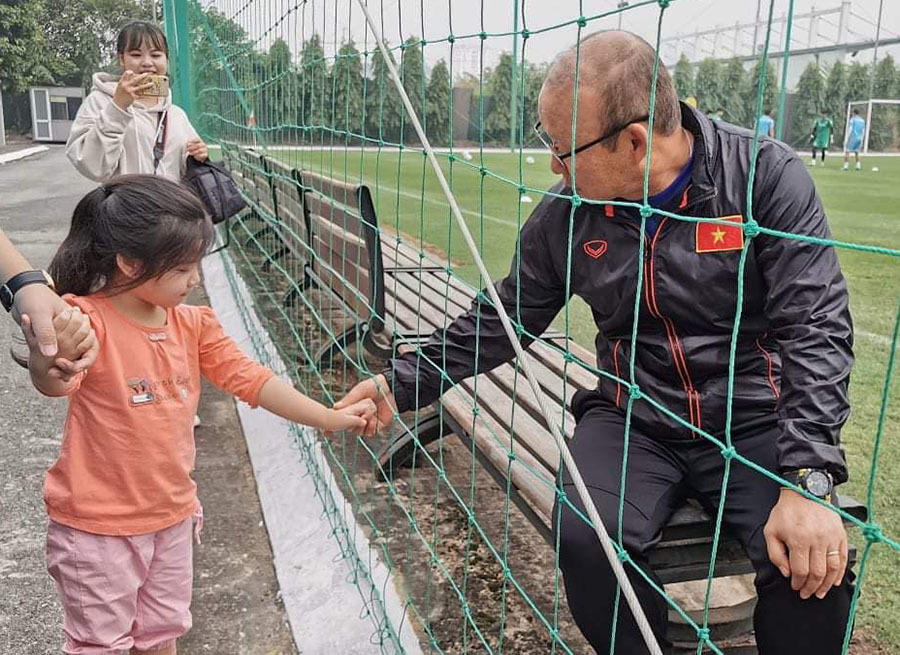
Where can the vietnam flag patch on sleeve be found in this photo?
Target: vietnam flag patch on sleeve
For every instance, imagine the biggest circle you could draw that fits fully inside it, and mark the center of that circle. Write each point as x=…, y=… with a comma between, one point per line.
x=714, y=237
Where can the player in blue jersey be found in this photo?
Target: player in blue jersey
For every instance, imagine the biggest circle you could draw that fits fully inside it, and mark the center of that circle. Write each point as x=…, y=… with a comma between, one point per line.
x=765, y=124
x=855, y=134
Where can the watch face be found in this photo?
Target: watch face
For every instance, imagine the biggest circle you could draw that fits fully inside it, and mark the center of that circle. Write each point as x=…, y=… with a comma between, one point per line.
x=818, y=484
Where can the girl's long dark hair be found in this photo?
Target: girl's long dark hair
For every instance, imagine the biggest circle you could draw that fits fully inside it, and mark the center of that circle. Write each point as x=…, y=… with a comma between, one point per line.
x=144, y=218
x=133, y=35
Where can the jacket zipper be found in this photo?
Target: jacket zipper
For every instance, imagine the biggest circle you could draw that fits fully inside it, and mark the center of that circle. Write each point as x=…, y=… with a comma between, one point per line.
x=693, y=397
x=769, y=365
x=618, y=377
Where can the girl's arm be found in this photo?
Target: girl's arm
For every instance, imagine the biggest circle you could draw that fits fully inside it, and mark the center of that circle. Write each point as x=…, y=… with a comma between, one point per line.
x=282, y=399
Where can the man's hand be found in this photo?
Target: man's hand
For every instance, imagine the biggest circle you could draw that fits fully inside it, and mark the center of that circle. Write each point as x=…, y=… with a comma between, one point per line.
x=375, y=389
x=807, y=542
x=197, y=149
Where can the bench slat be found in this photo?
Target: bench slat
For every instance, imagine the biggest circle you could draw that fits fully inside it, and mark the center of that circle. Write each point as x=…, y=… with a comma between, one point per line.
x=341, y=192
x=493, y=442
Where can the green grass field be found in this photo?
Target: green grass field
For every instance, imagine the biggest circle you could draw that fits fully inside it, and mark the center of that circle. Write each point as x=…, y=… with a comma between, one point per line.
x=862, y=207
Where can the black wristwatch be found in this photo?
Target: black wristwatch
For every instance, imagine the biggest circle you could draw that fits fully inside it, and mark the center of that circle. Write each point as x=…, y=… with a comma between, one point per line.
x=816, y=482
x=8, y=291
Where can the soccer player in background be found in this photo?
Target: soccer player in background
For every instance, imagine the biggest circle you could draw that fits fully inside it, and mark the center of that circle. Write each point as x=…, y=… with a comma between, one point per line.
x=765, y=124
x=854, y=141
x=822, y=136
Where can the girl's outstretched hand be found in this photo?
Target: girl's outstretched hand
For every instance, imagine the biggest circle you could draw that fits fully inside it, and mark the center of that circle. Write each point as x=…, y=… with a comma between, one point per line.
x=353, y=417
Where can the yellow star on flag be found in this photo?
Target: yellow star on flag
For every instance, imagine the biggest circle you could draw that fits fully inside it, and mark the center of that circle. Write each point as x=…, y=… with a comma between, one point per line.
x=719, y=235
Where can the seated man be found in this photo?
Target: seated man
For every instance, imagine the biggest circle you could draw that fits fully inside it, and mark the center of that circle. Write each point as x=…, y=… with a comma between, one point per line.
x=793, y=355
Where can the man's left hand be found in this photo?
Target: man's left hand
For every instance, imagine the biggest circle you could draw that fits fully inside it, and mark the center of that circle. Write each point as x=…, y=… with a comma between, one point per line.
x=807, y=542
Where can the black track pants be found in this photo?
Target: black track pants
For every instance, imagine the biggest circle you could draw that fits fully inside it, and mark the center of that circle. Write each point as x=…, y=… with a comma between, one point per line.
x=660, y=474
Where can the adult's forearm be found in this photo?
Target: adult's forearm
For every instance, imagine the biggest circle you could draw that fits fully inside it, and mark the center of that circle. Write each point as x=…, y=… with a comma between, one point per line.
x=11, y=261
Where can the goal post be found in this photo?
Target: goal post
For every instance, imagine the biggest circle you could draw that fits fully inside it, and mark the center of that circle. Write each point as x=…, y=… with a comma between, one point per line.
x=891, y=121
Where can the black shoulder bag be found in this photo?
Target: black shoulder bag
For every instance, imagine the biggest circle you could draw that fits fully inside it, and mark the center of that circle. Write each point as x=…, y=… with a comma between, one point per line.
x=209, y=181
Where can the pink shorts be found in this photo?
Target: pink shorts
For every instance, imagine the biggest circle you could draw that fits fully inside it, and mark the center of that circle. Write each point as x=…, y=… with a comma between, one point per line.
x=120, y=593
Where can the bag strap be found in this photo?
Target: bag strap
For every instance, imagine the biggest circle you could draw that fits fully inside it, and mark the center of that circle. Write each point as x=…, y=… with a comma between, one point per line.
x=159, y=145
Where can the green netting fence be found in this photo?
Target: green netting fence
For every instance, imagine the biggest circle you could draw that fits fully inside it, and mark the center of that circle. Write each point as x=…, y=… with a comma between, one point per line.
x=292, y=94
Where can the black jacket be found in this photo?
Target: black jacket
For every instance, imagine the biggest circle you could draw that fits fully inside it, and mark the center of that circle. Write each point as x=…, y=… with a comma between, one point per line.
x=794, y=351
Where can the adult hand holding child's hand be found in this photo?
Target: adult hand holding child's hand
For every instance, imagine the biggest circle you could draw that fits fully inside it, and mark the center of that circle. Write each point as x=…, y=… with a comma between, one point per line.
x=353, y=417
x=376, y=391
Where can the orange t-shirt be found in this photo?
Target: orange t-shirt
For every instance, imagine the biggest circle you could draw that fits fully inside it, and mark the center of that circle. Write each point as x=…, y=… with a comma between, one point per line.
x=128, y=444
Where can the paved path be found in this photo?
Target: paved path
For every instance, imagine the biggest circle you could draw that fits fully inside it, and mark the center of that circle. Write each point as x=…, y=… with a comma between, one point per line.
x=236, y=609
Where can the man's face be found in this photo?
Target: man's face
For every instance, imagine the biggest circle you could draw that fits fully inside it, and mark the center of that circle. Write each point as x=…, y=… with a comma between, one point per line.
x=600, y=172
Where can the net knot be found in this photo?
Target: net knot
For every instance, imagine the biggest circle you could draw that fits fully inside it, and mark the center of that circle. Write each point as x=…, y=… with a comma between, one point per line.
x=702, y=633
x=451, y=157
x=872, y=533
x=476, y=411
x=423, y=43
x=729, y=453
x=634, y=391
x=511, y=456
x=525, y=34
x=646, y=211
x=623, y=556
x=568, y=356
x=562, y=496
x=582, y=21
x=482, y=35
x=751, y=228
x=520, y=329
x=483, y=171
x=403, y=47
x=575, y=200
x=522, y=189
x=451, y=39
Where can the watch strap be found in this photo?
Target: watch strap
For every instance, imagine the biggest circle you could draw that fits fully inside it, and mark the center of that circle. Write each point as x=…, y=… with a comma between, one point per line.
x=799, y=477
x=16, y=282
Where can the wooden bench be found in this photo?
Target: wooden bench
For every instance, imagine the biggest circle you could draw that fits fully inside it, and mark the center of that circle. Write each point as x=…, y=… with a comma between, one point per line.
x=681, y=559
x=376, y=277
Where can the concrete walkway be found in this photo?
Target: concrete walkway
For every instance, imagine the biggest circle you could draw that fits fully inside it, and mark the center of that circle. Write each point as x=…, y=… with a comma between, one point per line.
x=236, y=607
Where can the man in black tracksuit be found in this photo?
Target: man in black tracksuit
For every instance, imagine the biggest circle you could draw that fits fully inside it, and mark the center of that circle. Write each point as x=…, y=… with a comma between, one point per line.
x=793, y=354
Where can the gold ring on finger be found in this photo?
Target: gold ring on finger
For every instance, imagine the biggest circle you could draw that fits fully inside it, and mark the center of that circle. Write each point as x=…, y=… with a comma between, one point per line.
x=832, y=553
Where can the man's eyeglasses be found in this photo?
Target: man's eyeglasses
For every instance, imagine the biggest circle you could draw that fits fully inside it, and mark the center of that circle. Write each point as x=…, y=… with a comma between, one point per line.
x=561, y=157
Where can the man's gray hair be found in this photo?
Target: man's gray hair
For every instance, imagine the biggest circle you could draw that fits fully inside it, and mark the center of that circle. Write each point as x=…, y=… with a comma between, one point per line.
x=617, y=68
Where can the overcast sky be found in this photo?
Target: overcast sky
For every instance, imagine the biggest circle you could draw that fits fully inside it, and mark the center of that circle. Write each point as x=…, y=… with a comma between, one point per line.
x=294, y=20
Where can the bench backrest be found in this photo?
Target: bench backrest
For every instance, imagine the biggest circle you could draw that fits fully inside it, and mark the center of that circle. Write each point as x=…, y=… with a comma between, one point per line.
x=344, y=237
x=287, y=197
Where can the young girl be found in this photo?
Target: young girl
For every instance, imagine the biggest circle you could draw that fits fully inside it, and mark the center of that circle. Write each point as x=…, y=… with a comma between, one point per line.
x=119, y=130
x=120, y=497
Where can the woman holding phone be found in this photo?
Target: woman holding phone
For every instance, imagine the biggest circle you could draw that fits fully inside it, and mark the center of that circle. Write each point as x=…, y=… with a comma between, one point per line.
x=128, y=124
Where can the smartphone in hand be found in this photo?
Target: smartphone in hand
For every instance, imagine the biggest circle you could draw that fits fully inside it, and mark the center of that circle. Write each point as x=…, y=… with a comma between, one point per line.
x=160, y=88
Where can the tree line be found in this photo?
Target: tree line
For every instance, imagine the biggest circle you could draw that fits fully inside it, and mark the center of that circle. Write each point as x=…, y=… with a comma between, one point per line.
x=726, y=84
x=349, y=97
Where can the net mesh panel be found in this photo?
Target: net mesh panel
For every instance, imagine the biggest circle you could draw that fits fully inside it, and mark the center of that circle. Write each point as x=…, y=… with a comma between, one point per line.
x=296, y=99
